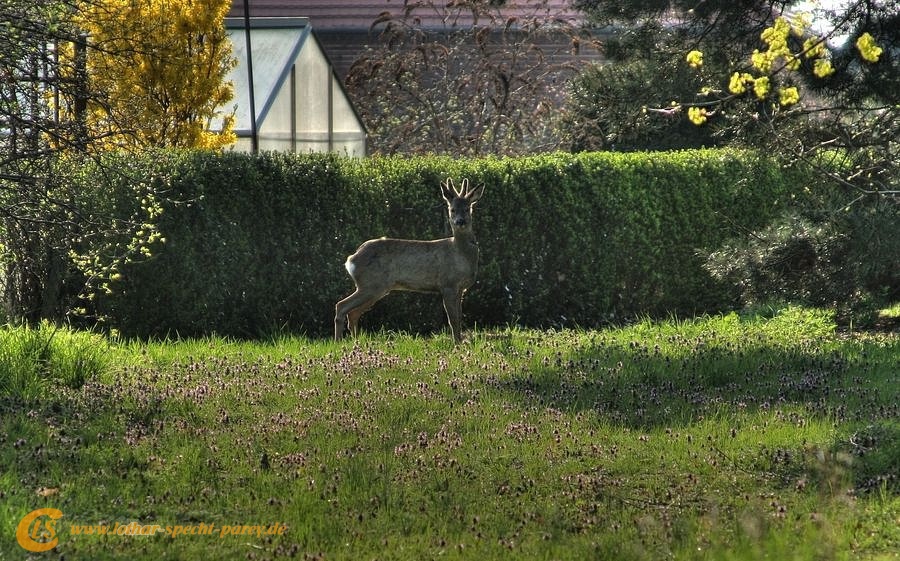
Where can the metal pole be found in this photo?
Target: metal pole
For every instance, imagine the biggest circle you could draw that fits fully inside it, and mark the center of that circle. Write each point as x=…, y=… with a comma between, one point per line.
x=330, y=108
x=81, y=91
x=293, y=108
x=254, y=135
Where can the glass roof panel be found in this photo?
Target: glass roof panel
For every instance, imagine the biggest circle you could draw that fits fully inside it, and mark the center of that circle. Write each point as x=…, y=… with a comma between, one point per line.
x=273, y=53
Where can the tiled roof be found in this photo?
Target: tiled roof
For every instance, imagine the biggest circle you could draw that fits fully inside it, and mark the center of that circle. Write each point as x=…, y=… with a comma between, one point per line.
x=359, y=14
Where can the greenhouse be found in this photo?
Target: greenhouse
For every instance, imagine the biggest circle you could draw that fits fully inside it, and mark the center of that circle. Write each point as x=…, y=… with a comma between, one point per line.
x=299, y=102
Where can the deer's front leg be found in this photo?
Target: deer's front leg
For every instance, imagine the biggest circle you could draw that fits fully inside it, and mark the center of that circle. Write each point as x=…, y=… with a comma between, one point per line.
x=453, y=306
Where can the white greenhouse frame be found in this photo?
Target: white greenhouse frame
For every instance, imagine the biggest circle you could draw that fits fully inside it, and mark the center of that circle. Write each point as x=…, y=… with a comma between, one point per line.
x=301, y=105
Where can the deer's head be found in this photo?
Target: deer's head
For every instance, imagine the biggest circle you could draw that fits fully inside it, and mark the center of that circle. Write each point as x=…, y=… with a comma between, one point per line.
x=459, y=203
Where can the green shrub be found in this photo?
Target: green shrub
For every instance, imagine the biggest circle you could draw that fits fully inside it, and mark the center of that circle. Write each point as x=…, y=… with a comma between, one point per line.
x=256, y=244
x=245, y=242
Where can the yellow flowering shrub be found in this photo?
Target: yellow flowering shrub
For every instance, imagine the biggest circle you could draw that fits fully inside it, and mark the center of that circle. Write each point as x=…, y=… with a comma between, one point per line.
x=697, y=115
x=867, y=47
x=814, y=47
x=762, y=61
x=776, y=36
x=800, y=23
x=736, y=85
x=739, y=81
x=788, y=96
x=778, y=57
x=695, y=59
x=761, y=87
x=822, y=68
x=161, y=67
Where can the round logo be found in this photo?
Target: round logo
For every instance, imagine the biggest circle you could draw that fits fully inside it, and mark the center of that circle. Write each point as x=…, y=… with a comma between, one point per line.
x=37, y=529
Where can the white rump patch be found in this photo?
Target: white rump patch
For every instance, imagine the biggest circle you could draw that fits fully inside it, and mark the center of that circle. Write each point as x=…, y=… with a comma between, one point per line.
x=351, y=268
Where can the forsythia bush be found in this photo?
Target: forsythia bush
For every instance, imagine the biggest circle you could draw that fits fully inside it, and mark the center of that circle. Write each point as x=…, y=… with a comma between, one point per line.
x=160, y=67
x=779, y=58
x=255, y=244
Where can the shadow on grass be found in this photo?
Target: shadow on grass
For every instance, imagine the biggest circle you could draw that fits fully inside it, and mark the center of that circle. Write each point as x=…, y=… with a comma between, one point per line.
x=674, y=381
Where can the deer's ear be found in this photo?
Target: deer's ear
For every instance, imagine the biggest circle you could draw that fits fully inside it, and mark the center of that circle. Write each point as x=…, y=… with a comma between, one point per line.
x=448, y=190
x=475, y=194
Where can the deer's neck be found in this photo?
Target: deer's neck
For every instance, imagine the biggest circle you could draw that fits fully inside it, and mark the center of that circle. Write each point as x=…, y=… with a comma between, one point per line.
x=465, y=242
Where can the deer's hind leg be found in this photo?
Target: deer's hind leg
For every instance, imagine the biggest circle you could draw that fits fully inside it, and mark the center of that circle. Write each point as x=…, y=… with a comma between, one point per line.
x=349, y=310
x=354, y=315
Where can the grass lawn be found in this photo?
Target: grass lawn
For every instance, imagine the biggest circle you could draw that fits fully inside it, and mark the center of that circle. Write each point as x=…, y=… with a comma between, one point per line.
x=719, y=438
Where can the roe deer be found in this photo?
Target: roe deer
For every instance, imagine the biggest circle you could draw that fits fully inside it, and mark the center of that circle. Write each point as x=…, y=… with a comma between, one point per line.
x=446, y=266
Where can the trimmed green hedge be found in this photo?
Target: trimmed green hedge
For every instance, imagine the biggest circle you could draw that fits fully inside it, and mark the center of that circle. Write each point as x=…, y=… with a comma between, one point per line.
x=256, y=244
